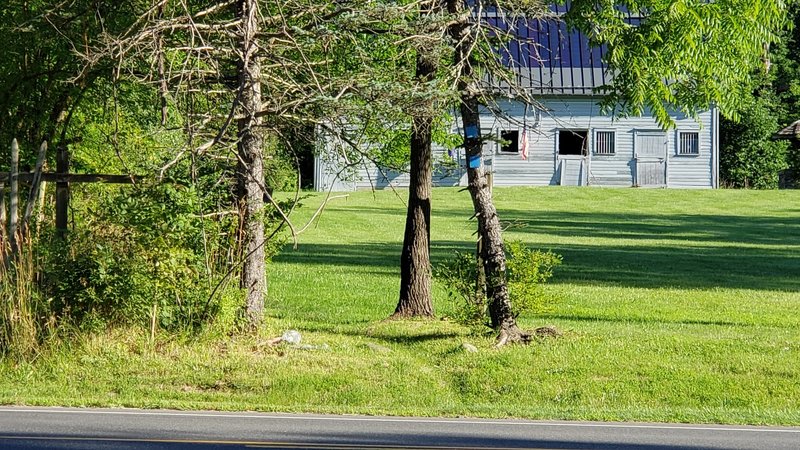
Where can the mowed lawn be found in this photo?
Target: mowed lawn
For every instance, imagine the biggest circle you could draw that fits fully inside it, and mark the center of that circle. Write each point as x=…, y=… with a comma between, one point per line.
x=675, y=306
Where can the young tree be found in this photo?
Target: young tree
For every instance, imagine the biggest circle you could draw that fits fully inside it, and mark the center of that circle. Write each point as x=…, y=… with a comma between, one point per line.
x=415, y=271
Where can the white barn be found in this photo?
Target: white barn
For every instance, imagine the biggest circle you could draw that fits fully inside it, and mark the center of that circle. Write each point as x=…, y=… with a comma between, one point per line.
x=568, y=141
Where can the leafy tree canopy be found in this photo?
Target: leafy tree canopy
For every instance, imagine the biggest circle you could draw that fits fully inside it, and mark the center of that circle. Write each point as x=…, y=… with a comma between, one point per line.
x=681, y=54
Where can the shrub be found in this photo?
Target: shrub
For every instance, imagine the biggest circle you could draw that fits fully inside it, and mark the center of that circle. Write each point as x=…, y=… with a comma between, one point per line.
x=749, y=157
x=147, y=252
x=526, y=270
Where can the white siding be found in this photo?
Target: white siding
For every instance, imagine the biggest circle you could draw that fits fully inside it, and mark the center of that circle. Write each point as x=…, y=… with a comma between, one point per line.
x=543, y=163
x=693, y=171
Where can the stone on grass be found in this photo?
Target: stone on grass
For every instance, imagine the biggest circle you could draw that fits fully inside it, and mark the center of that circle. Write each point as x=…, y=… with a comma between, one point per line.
x=291, y=337
x=469, y=348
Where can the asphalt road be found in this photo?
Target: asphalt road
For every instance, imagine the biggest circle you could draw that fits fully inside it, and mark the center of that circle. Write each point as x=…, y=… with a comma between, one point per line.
x=24, y=428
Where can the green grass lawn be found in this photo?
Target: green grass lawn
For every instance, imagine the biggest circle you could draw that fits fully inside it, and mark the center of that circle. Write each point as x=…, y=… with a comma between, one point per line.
x=675, y=305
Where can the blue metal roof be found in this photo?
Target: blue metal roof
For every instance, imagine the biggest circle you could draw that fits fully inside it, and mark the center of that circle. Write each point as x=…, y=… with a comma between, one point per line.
x=550, y=58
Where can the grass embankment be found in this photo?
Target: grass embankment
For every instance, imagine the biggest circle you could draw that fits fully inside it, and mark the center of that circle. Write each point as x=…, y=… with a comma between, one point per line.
x=675, y=306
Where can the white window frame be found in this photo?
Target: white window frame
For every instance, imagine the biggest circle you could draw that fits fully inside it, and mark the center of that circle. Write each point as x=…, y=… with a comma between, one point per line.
x=596, y=140
x=500, y=132
x=679, y=135
x=588, y=144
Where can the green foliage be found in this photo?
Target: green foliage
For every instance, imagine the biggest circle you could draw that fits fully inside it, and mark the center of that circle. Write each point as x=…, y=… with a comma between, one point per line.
x=42, y=74
x=749, y=157
x=526, y=269
x=460, y=277
x=148, y=251
x=684, y=54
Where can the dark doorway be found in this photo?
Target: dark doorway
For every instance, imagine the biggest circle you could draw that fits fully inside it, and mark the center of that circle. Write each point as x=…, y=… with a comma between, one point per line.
x=301, y=145
x=573, y=142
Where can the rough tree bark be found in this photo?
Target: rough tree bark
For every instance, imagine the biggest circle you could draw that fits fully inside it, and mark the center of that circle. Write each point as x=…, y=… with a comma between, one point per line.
x=489, y=231
x=250, y=168
x=415, y=270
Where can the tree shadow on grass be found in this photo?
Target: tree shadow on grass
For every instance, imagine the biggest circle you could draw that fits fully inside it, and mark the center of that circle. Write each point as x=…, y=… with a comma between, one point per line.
x=750, y=230
x=631, y=265
x=388, y=330
x=679, y=267
x=644, y=320
x=374, y=254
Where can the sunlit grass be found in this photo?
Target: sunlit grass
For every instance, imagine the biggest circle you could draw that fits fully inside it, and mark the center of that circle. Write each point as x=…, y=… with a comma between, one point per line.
x=674, y=306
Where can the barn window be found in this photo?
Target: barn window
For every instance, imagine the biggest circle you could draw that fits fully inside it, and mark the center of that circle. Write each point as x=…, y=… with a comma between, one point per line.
x=688, y=143
x=604, y=143
x=510, y=141
x=573, y=142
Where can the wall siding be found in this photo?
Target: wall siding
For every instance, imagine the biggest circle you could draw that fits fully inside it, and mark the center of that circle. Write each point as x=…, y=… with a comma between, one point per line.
x=543, y=164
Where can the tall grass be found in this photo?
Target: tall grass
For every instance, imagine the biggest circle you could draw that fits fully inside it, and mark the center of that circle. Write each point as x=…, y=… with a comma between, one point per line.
x=22, y=327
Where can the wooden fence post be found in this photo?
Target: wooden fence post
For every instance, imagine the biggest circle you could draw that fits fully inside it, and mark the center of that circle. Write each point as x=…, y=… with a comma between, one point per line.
x=13, y=213
x=62, y=191
x=34, y=193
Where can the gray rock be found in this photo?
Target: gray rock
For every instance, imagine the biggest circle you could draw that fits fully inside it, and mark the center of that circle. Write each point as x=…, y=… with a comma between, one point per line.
x=469, y=347
x=292, y=337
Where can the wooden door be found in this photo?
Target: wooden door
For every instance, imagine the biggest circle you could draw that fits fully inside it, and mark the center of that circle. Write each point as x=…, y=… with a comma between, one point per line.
x=651, y=158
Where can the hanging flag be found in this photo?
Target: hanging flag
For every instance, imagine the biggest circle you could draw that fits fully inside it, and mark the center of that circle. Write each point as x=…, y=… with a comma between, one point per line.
x=523, y=141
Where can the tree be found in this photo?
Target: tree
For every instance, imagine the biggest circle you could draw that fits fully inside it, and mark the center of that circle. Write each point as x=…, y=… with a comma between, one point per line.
x=750, y=157
x=684, y=56
x=250, y=167
x=320, y=71
x=415, y=271
x=207, y=67
x=43, y=80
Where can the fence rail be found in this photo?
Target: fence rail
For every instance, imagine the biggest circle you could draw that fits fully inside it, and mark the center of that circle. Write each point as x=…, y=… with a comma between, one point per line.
x=15, y=230
x=53, y=177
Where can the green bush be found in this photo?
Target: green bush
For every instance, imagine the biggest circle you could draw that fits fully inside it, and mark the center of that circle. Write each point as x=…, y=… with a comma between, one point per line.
x=526, y=270
x=145, y=251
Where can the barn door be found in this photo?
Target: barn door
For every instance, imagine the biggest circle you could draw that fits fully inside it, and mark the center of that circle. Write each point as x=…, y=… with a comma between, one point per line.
x=651, y=158
x=573, y=151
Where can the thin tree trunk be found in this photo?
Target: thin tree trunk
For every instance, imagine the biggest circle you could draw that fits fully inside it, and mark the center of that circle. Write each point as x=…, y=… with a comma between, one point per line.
x=62, y=191
x=489, y=230
x=163, y=87
x=250, y=169
x=415, y=271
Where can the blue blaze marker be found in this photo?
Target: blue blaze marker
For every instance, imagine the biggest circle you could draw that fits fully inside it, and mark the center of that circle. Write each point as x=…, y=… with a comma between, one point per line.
x=474, y=161
x=471, y=132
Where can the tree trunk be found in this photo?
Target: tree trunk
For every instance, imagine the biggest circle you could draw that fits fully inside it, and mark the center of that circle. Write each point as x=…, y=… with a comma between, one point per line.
x=250, y=169
x=415, y=271
x=489, y=231
x=62, y=191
